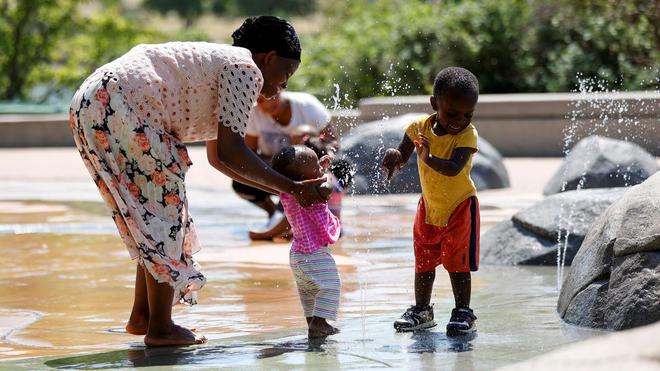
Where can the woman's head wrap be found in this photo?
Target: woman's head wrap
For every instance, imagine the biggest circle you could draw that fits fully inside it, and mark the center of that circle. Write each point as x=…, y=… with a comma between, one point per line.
x=265, y=33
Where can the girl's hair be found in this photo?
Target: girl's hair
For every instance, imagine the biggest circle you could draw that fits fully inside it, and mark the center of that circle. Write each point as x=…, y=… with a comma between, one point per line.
x=266, y=33
x=283, y=161
x=343, y=170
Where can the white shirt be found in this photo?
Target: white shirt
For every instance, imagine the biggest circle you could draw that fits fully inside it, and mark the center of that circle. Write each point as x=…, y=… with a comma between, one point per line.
x=305, y=110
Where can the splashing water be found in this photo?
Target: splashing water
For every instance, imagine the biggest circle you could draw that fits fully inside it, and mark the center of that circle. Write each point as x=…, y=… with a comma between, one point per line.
x=599, y=109
x=336, y=105
x=336, y=100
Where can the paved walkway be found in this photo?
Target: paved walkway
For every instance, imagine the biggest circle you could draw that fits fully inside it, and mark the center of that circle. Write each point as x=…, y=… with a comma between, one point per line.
x=528, y=175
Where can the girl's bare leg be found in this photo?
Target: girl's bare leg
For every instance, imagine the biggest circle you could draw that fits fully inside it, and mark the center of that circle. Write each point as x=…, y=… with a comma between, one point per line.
x=138, y=323
x=162, y=331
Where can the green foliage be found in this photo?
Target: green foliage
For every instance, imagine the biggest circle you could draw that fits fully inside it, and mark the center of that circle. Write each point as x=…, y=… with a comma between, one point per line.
x=391, y=47
x=604, y=39
x=188, y=10
x=56, y=47
x=260, y=7
x=98, y=39
x=29, y=31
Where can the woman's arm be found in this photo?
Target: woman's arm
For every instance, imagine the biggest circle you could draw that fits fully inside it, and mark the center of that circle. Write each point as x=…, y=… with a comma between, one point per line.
x=233, y=154
x=252, y=142
x=212, y=155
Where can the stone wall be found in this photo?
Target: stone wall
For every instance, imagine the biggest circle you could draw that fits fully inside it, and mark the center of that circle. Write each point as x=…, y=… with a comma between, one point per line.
x=533, y=124
x=525, y=125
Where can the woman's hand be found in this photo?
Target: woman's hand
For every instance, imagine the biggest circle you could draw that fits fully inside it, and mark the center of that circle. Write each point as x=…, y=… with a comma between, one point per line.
x=307, y=192
x=391, y=162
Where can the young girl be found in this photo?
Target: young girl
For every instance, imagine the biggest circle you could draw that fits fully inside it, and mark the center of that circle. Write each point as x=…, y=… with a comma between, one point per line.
x=313, y=228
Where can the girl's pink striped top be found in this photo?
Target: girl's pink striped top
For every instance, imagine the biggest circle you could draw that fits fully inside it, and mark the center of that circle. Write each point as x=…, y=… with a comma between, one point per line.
x=313, y=227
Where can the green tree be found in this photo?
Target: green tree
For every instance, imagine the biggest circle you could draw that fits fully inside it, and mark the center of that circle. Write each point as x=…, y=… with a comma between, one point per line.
x=50, y=45
x=188, y=10
x=391, y=47
x=604, y=39
x=260, y=7
x=29, y=31
x=98, y=38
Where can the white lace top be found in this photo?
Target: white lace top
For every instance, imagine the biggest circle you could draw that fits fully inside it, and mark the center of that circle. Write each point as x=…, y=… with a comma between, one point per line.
x=186, y=88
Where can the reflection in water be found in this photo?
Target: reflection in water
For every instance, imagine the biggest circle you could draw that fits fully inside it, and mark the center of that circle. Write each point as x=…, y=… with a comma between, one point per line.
x=146, y=357
x=315, y=343
x=173, y=356
x=433, y=342
x=81, y=285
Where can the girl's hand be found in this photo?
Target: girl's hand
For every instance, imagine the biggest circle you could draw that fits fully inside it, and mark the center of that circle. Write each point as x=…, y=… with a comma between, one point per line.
x=326, y=190
x=422, y=146
x=391, y=162
x=307, y=192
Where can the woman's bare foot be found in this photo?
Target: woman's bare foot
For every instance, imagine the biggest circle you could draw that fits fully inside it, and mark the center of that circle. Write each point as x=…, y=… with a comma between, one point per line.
x=176, y=335
x=140, y=328
x=318, y=327
x=137, y=327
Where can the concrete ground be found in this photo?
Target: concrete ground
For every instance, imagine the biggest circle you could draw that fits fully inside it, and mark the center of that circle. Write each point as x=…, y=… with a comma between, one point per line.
x=528, y=175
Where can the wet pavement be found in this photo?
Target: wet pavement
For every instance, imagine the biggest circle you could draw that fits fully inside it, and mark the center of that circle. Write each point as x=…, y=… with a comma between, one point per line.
x=66, y=289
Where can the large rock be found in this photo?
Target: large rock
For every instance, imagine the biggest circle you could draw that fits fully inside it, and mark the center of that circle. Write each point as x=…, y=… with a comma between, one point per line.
x=599, y=162
x=531, y=236
x=614, y=282
x=510, y=244
x=365, y=146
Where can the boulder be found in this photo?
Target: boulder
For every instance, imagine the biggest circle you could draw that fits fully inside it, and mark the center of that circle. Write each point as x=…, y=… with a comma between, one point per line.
x=510, y=244
x=614, y=282
x=531, y=236
x=600, y=162
x=364, y=147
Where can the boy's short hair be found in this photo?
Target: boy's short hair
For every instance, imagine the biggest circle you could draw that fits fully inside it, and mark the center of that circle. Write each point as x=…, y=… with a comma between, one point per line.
x=457, y=80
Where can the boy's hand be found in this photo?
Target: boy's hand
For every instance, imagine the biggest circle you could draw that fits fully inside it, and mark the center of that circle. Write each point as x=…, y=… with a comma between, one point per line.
x=422, y=146
x=391, y=162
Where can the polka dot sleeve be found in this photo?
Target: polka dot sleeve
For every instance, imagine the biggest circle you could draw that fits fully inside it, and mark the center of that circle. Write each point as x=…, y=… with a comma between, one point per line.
x=238, y=89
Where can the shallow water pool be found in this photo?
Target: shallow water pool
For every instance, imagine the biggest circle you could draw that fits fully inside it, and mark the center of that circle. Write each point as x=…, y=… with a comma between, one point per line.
x=67, y=291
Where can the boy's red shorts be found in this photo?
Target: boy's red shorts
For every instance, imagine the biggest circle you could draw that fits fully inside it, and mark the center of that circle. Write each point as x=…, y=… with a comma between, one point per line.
x=455, y=246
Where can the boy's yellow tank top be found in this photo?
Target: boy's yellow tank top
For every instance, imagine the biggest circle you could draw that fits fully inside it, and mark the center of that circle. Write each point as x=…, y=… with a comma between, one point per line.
x=443, y=193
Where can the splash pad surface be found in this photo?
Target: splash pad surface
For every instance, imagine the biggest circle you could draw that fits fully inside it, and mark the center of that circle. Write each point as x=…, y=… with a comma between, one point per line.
x=68, y=291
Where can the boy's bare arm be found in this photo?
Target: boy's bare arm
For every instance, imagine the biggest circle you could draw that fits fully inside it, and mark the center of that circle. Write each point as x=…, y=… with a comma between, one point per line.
x=394, y=159
x=454, y=165
x=406, y=147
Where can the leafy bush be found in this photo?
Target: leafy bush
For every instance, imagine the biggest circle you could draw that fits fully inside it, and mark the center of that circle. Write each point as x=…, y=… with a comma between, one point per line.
x=56, y=47
x=392, y=47
x=259, y=7
x=188, y=10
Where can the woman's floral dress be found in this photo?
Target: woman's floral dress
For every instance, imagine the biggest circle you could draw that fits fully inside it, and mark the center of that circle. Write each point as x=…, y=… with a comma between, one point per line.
x=130, y=120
